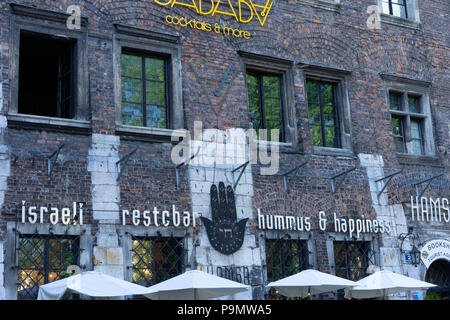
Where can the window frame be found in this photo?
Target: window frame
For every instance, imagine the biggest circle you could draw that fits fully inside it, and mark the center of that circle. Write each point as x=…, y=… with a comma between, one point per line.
x=83, y=233
x=412, y=88
x=153, y=43
x=341, y=78
x=263, y=119
x=412, y=19
x=336, y=112
x=48, y=23
x=167, y=89
x=285, y=68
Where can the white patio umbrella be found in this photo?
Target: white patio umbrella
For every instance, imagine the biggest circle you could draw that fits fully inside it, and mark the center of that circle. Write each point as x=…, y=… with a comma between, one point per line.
x=309, y=281
x=194, y=285
x=90, y=283
x=382, y=283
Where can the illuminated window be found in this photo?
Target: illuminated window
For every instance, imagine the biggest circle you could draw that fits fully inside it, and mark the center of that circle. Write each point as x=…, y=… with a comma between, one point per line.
x=43, y=259
x=156, y=259
x=145, y=101
x=285, y=258
x=265, y=103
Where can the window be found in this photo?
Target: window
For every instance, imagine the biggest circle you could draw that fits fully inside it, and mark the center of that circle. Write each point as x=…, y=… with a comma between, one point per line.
x=144, y=90
x=265, y=103
x=351, y=260
x=285, y=258
x=396, y=8
x=407, y=123
x=404, y=13
x=156, y=259
x=48, y=71
x=46, y=76
x=322, y=113
x=271, y=99
x=147, y=83
x=328, y=109
x=43, y=259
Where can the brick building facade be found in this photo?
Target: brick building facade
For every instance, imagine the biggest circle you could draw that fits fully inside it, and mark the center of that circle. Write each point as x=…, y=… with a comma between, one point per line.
x=107, y=155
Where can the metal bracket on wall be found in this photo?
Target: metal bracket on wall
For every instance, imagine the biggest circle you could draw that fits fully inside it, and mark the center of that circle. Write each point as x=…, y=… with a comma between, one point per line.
x=389, y=177
x=284, y=175
x=429, y=180
x=123, y=160
x=243, y=167
x=332, y=179
x=51, y=161
x=177, y=173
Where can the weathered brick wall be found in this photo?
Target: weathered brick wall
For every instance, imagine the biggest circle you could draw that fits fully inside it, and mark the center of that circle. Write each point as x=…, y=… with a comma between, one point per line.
x=295, y=32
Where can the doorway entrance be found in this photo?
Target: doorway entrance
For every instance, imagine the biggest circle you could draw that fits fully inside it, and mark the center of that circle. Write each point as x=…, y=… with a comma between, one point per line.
x=439, y=274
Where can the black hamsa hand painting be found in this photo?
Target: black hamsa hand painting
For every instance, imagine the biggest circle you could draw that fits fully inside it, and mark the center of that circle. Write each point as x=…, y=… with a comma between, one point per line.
x=225, y=233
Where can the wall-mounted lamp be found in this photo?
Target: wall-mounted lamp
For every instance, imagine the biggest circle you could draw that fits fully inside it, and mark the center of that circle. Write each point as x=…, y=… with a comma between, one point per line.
x=414, y=253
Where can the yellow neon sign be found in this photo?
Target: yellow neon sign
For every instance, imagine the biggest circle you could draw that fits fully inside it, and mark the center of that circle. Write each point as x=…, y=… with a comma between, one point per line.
x=260, y=11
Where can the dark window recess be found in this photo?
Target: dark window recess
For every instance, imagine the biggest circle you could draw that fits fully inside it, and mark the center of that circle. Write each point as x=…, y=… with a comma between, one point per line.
x=46, y=76
x=145, y=91
x=285, y=258
x=323, y=113
x=265, y=103
x=351, y=259
x=156, y=259
x=43, y=259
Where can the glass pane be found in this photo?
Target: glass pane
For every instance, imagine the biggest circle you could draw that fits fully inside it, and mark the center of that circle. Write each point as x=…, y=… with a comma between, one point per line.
x=131, y=90
x=386, y=7
x=415, y=147
x=398, y=10
x=414, y=104
x=271, y=86
x=156, y=93
x=397, y=127
x=331, y=140
x=326, y=91
x=416, y=129
x=313, y=102
x=316, y=135
x=131, y=66
x=273, y=125
x=395, y=101
x=154, y=69
x=272, y=108
x=329, y=114
x=156, y=117
x=132, y=114
x=253, y=101
x=399, y=144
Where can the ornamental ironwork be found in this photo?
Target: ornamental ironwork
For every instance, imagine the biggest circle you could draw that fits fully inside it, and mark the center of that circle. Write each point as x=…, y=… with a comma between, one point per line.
x=285, y=257
x=156, y=259
x=43, y=259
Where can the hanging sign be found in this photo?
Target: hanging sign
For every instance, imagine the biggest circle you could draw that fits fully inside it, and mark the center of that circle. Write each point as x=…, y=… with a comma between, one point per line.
x=434, y=250
x=225, y=232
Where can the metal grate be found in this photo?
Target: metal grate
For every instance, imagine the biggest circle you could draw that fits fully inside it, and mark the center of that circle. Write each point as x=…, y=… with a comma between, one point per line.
x=284, y=258
x=156, y=259
x=351, y=259
x=43, y=259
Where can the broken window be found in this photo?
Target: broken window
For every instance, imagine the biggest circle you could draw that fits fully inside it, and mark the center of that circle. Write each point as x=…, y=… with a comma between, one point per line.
x=46, y=76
